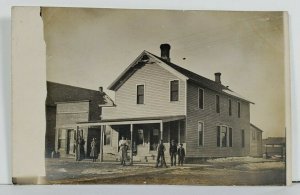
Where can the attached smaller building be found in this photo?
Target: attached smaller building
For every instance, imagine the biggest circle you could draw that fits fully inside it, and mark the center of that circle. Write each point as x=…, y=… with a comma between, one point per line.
x=255, y=141
x=65, y=107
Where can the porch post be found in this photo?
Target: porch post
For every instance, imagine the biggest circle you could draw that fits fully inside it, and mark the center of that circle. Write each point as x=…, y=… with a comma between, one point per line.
x=102, y=128
x=161, y=130
x=178, y=131
x=131, y=144
x=76, y=144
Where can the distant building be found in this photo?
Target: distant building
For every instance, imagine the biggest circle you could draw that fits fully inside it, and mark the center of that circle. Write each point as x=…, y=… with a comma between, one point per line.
x=156, y=99
x=255, y=141
x=65, y=106
x=274, y=147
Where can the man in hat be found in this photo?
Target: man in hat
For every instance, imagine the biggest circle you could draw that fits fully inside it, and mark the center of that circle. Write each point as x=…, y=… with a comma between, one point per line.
x=181, y=154
x=173, y=152
x=161, y=154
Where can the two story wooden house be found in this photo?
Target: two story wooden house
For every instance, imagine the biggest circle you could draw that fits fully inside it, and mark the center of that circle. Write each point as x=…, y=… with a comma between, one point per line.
x=156, y=99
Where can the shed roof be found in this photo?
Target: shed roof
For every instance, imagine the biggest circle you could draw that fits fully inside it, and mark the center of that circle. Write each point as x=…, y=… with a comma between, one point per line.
x=57, y=92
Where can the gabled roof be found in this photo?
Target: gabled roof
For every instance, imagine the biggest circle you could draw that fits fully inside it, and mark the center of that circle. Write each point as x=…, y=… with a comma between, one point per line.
x=147, y=57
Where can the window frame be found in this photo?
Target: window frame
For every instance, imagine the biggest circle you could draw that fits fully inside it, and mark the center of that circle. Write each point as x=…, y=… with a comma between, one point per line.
x=239, y=109
x=202, y=133
x=199, y=88
x=170, y=90
x=243, y=138
x=229, y=136
x=137, y=95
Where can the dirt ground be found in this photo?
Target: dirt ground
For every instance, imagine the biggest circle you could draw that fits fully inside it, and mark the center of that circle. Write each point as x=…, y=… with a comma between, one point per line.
x=227, y=171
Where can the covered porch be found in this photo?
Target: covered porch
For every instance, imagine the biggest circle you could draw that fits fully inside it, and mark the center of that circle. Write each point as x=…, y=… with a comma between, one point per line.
x=142, y=135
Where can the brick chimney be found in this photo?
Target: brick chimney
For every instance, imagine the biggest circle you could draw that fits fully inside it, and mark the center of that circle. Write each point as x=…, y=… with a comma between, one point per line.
x=218, y=77
x=101, y=89
x=165, y=51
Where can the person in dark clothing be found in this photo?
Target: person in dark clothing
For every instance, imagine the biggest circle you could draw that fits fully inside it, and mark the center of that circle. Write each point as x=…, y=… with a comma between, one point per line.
x=161, y=155
x=173, y=152
x=80, y=148
x=181, y=155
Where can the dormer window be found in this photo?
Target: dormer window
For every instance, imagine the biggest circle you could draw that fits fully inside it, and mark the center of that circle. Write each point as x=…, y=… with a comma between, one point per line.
x=174, y=90
x=140, y=93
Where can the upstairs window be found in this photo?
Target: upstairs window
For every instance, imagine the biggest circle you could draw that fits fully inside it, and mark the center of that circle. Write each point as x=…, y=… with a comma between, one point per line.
x=239, y=109
x=174, y=90
x=200, y=98
x=217, y=103
x=229, y=107
x=140, y=94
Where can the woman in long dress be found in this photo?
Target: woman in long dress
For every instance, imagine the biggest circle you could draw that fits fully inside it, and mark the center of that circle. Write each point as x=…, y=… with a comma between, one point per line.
x=94, y=153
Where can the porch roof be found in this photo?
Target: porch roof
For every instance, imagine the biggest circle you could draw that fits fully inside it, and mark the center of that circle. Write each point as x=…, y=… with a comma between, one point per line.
x=140, y=120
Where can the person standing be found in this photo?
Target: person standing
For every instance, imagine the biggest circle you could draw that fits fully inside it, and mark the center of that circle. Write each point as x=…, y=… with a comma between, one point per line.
x=78, y=148
x=161, y=154
x=181, y=155
x=94, y=153
x=123, y=150
x=173, y=152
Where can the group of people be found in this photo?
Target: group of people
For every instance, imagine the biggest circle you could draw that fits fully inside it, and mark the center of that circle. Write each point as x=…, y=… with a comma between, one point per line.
x=80, y=154
x=173, y=152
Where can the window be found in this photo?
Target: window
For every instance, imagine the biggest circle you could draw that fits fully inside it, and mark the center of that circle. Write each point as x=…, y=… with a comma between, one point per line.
x=107, y=136
x=200, y=98
x=217, y=104
x=243, y=138
x=230, y=137
x=239, y=109
x=140, y=94
x=229, y=107
x=174, y=90
x=200, y=133
x=224, y=136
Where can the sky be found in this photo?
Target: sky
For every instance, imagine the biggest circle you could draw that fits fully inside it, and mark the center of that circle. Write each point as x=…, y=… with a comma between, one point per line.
x=90, y=47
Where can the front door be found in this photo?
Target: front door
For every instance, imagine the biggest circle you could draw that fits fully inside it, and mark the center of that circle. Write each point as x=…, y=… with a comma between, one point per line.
x=71, y=142
x=154, y=139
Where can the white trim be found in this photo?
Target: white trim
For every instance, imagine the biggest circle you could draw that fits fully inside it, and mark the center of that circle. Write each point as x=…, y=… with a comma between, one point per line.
x=154, y=59
x=74, y=112
x=202, y=133
x=202, y=98
x=116, y=123
x=170, y=90
x=136, y=99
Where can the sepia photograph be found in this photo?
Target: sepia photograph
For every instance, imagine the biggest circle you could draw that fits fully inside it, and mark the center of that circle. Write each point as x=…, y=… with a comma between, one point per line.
x=165, y=97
